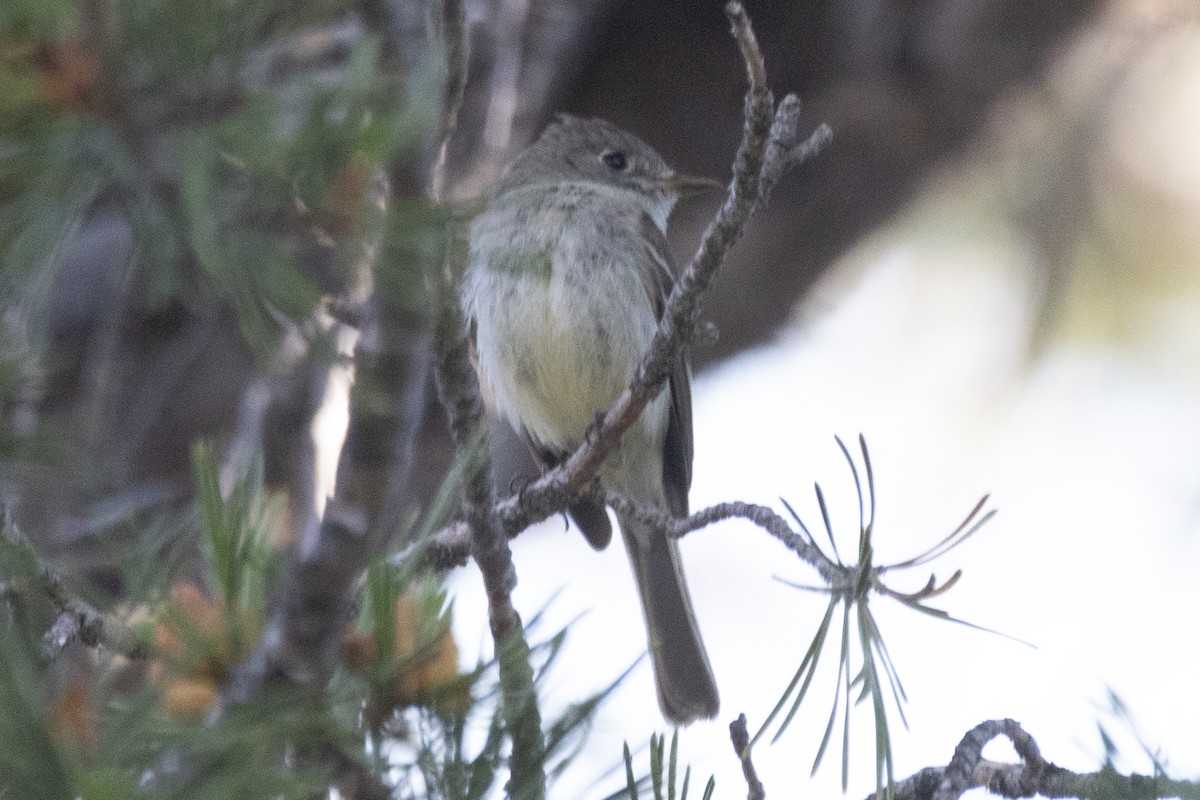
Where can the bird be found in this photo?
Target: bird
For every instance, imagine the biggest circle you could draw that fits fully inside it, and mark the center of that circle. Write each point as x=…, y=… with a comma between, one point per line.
x=568, y=275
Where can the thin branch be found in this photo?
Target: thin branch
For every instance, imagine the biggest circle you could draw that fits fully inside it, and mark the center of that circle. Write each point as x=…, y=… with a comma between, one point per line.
x=741, y=745
x=762, y=516
x=1035, y=776
x=785, y=149
x=77, y=619
x=739, y=25
x=451, y=546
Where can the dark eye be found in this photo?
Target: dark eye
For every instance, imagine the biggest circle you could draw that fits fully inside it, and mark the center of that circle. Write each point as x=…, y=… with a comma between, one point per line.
x=614, y=160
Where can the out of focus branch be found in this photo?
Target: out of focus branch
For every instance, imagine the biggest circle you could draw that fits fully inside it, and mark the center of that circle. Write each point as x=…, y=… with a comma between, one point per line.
x=77, y=619
x=454, y=40
x=302, y=633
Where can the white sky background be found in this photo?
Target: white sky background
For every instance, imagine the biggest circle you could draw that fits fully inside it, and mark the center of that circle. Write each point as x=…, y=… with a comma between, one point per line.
x=1089, y=446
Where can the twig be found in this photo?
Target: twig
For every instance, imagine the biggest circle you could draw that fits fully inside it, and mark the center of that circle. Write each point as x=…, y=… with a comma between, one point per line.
x=77, y=619
x=968, y=770
x=451, y=545
x=785, y=150
x=756, y=69
x=741, y=745
x=761, y=516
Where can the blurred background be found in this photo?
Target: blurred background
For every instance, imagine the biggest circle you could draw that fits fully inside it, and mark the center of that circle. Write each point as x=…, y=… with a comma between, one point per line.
x=993, y=272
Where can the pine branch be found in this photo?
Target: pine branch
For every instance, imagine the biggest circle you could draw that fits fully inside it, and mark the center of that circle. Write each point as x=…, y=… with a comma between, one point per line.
x=76, y=618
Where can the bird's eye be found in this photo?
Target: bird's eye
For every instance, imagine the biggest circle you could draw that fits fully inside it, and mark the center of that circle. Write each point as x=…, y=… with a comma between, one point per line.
x=614, y=160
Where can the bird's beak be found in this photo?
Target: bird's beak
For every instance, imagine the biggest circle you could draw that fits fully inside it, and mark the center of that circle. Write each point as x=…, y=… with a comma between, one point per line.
x=685, y=185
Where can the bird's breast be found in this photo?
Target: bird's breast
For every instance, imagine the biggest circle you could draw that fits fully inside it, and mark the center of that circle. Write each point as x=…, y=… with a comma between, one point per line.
x=562, y=318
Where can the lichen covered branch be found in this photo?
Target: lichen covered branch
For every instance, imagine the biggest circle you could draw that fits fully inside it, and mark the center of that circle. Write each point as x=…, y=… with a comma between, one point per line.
x=1034, y=776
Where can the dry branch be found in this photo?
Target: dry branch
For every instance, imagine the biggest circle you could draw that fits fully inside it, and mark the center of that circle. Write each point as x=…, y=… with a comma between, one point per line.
x=1034, y=776
x=740, y=737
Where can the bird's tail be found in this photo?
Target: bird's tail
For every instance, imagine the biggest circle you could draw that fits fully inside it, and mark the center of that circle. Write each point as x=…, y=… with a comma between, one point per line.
x=687, y=690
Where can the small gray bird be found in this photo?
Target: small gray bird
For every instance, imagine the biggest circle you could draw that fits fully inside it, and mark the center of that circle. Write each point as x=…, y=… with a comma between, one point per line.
x=569, y=272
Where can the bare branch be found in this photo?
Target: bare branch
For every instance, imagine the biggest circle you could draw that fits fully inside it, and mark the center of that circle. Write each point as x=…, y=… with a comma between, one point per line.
x=762, y=516
x=739, y=25
x=451, y=545
x=741, y=745
x=969, y=753
x=787, y=149
x=968, y=770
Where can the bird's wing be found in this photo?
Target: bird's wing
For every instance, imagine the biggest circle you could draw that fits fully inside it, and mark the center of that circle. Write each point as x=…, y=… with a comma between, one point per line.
x=659, y=279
